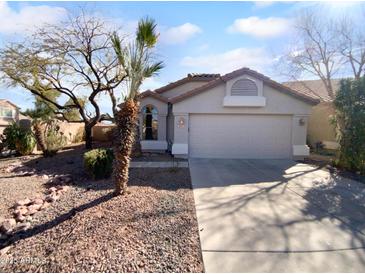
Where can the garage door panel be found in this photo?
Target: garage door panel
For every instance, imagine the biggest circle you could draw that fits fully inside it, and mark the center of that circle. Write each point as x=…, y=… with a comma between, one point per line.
x=240, y=136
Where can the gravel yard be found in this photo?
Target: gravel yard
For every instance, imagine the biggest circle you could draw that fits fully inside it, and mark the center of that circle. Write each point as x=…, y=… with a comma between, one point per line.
x=152, y=229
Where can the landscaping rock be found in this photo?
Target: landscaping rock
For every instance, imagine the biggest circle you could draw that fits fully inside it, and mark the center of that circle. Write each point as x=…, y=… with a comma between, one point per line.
x=32, y=209
x=52, y=189
x=20, y=217
x=22, y=227
x=23, y=202
x=52, y=197
x=8, y=225
x=37, y=201
x=21, y=210
x=45, y=205
x=44, y=176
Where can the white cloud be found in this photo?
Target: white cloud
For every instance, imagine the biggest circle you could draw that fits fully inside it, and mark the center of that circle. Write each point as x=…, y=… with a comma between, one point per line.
x=254, y=58
x=255, y=26
x=179, y=34
x=151, y=83
x=263, y=4
x=28, y=17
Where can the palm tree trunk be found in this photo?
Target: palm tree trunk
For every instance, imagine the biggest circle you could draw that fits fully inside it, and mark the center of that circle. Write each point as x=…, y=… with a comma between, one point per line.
x=38, y=133
x=125, y=119
x=137, y=148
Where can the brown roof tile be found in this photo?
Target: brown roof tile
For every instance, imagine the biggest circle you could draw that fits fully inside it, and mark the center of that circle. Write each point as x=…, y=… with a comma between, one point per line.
x=189, y=78
x=148, y=93
x=314, y=88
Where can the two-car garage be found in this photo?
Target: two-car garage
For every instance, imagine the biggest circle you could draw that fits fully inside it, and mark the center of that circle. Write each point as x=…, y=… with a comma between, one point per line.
x=240, y=136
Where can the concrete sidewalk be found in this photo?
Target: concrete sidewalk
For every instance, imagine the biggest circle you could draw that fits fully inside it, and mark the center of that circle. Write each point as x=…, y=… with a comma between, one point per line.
x=277, y=216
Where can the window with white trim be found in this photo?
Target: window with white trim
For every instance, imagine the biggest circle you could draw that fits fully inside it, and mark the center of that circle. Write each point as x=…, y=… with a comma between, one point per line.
x=6, y=112
x=244, y=87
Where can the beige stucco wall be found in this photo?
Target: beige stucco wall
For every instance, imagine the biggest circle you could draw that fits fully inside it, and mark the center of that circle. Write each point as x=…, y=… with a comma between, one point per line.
x=182, y=89
x=211, y=101
x=5, y=121
x=103, y=132
x=320, y=128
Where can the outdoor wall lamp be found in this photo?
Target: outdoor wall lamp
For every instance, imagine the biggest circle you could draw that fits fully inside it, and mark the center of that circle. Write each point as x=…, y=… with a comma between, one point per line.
x=301, y=122
x=181, y=122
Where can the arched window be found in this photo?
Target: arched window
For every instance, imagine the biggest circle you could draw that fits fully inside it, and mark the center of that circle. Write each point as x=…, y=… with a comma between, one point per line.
x=244, y=87
x=150, y=123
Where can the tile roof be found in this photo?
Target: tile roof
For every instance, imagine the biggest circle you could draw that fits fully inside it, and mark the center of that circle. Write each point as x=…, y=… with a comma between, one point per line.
x=191, y=77
x=7, y=101
x=153, y=94
x=242, y=71
x=314, y=88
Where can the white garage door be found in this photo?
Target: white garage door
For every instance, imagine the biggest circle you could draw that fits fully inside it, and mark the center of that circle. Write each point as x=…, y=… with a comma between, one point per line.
x=240, y=136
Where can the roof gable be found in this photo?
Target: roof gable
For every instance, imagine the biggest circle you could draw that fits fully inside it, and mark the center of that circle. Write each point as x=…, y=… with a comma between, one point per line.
x=223, y=79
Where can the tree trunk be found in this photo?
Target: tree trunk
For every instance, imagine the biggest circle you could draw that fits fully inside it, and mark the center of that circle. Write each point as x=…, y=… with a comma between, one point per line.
x=125, y=119
x=137, y=148
x=88, y=136
x=38, y=134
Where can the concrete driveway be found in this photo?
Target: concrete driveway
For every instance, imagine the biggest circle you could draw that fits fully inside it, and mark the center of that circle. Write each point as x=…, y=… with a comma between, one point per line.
x=277, y=216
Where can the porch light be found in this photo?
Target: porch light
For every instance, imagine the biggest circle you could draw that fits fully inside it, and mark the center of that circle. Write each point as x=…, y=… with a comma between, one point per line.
x=301, y=122
x=181, y=122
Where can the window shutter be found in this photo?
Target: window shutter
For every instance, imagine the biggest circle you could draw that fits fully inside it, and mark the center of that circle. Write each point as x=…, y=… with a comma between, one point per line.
x=244, y=87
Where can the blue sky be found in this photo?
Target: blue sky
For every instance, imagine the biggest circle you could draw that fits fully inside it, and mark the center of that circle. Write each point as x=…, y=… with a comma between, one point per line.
x=195, y=36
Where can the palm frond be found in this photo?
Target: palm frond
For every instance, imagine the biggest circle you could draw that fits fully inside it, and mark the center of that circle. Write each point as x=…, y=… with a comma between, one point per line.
x=146, y=32
x=152, y=69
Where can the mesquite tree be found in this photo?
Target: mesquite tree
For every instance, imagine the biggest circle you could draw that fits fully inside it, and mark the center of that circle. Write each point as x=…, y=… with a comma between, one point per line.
x=76, y=59
x=137, y=60
x=325, y=47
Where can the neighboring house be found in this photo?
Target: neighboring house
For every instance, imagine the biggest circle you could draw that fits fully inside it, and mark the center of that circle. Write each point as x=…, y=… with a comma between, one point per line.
x=242, y=114
x=9, y=113
x=320, y=128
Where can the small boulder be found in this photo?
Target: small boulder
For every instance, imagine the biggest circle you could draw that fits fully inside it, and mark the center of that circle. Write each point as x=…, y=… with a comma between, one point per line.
x=45, y=176
x=37, y=201
x=45, y=205
x=32, y=209
x=52, y=189
x=20, y=217
x=23, y=202
x=21, y=210
x=8, y=225
x=52, y=197
x=22, y=227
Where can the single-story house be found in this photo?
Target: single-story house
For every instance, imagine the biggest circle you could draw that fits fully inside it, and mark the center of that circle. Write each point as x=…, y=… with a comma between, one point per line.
x=320, y=127
x=242, y=114
x=9, y=113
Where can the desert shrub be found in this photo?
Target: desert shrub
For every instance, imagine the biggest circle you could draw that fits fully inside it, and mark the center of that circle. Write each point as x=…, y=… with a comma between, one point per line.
x=11, y=134
x=79, y=136
x=98, y=163
x=54, y=139
x=19, y=138
x=350, y=123
x=26, y=142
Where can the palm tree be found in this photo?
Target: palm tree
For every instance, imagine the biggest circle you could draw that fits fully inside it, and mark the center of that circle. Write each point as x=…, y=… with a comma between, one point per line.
x=137, y=61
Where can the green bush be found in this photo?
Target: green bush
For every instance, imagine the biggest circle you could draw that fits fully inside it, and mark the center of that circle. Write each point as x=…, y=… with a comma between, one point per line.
x=54, y=139
x=98, y=163
x=20, y=139
x=350, y=122
x=11, y=135
x=26, y=143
